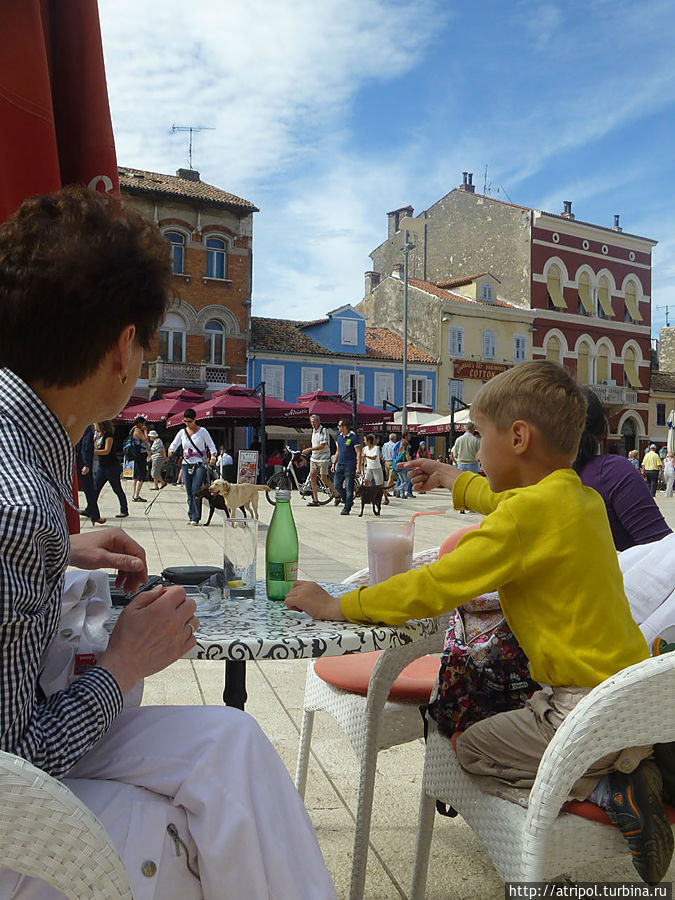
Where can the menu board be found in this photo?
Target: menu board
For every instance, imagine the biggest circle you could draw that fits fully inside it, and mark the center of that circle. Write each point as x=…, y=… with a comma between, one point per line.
x=247, y=467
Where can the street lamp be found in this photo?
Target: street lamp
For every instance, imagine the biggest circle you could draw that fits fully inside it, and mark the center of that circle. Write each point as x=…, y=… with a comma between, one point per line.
x=407, y=224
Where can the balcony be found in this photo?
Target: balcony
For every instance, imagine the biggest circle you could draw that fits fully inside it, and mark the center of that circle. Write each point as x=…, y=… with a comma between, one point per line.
x=162, y=374
x=614, y=394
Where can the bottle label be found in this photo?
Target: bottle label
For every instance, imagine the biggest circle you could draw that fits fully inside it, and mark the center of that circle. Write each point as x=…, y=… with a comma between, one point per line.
x=279, y=571
x=291, y=571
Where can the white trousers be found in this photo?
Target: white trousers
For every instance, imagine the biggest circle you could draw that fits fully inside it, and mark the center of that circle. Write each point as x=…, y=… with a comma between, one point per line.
x=212, y=773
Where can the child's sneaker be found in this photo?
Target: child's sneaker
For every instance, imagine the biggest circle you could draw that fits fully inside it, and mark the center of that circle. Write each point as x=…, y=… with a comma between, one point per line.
x=636, y=807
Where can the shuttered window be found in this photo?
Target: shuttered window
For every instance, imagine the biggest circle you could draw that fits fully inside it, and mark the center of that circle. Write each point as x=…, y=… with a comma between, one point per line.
x=519, y=348
x=554, y=290
x=455, y=341
x=632, y=303
x=553, y=349
x=273, y=376
x=489, y=345
x=605, y=302
x=585, y=300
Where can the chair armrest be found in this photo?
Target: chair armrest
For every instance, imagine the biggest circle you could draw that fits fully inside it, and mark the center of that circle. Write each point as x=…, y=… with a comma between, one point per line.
x=47, y=832
x=636, y=707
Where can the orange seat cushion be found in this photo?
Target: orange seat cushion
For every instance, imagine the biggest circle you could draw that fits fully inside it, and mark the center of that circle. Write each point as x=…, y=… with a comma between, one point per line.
x=352, y=673
x=596, y=814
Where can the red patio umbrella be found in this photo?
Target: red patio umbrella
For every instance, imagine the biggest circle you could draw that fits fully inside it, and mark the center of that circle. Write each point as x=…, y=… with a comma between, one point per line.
x=155, y=410
x=241, y=406
x=184, y=394
x=56, y=126
x=329, y=407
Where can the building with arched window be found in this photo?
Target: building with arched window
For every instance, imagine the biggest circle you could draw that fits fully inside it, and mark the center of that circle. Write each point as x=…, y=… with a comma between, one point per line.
x=588, y=286
x=202, y=343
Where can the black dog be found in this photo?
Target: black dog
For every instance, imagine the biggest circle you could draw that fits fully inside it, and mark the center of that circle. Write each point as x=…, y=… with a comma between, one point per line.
x=370, y=493
x=215, y=501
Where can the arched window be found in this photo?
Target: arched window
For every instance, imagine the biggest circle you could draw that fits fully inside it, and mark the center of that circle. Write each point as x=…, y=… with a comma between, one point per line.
x=630, y=370
x=177, y=241
x=585, y=307
x=172, y=339
x=216, y=258
x=632, y=308
x=553, y=349
x=602, y=366
x=214, y=343
x=554, y=292
x=605, y=310
x=583, y=364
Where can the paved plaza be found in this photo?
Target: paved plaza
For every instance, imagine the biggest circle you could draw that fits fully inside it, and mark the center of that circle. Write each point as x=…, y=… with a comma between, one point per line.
x=331, y=548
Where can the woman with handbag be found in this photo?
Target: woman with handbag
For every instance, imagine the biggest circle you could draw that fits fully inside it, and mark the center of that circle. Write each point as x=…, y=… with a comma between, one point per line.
x=140, y=446
x=198, y=449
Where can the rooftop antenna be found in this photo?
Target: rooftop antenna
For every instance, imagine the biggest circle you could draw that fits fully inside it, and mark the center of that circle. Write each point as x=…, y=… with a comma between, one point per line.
x=190, y=129
x=667, y=309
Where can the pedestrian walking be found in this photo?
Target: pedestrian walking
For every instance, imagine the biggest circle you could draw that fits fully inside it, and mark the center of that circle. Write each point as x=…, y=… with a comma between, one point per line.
x=346, y=462
x=107, y=467
x=157, y=459
x=651, y=466
x=197, y=448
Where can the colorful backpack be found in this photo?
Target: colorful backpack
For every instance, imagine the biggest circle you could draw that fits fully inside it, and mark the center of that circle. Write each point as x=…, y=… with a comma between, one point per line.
x=483, y=668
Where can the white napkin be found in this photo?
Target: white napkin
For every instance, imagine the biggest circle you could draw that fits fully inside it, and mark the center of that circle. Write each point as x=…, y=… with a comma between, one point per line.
x=85, y=608
x=649, y=581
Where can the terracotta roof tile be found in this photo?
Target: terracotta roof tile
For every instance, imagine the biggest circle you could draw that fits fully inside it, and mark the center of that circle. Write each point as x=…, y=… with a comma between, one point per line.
x=286, y=336
x=136, y=181
x=443, y=294
x=465, y=279
x=663, y=381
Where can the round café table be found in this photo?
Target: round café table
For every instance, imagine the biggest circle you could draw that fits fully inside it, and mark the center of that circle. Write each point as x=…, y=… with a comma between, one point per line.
x=260, y=629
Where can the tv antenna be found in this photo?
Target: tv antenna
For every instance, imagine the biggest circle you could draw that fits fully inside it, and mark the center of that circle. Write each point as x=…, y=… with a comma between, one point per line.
x=667, y=309
x=191, y=129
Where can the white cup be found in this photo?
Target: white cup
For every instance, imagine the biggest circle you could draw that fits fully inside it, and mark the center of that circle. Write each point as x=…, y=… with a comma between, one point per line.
x=390, y=549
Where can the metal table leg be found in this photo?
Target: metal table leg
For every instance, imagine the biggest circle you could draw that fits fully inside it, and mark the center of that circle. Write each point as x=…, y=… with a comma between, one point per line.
x=234, y=693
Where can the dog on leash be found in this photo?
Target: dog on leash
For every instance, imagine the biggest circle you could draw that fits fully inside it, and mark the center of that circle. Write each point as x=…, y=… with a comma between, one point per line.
x=242, y=495
x=370, y=493
x=215, y=501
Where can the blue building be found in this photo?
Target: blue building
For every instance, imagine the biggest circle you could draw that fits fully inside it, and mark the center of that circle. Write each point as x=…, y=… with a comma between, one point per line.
x=335, y=354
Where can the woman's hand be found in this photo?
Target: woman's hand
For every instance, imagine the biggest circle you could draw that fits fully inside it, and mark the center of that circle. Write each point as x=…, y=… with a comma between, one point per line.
x=111, y=548
x=309, y=597
x=153, y=631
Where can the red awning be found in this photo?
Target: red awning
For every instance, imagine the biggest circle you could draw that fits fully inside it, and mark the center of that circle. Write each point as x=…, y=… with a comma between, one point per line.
x=330, y=408
x=241, y=406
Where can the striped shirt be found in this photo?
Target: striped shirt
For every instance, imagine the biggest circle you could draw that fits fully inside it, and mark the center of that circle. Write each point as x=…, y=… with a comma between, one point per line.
x=36, y=465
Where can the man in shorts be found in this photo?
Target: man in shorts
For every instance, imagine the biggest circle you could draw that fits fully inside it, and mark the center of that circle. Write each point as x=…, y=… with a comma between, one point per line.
x=319, y=462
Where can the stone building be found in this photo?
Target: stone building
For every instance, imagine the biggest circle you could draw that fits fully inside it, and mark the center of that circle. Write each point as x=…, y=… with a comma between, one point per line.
x=589, y=287
x=202, y=343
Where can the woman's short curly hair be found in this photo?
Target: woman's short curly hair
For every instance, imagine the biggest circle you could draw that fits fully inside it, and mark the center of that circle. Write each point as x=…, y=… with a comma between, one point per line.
x=76, y=268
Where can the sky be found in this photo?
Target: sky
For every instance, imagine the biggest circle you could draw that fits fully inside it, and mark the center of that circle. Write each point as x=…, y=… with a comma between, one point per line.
x=326, y=114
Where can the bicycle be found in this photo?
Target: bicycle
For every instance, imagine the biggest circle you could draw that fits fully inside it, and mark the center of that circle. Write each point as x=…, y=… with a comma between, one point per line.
x=286, y=479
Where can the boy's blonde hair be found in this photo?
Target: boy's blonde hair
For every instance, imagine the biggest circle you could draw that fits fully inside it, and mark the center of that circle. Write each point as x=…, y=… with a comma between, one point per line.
x=541, y=393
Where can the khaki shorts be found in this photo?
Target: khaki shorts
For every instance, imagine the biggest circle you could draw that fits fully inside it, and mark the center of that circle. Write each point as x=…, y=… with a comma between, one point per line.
x=322, y=467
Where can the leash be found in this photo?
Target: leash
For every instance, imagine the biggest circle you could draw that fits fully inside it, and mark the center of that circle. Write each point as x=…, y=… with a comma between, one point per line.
x=146, y=511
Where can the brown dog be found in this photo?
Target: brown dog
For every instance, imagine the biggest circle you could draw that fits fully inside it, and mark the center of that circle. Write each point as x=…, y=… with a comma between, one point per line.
x=370, y=493
x=242, y=495
x=215, y=501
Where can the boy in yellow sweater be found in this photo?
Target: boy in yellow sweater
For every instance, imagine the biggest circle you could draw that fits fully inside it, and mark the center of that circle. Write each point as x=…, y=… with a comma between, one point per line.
x=546, y=546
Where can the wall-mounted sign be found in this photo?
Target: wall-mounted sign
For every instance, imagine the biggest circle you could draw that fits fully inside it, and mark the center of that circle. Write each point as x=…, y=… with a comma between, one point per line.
x=481, y=371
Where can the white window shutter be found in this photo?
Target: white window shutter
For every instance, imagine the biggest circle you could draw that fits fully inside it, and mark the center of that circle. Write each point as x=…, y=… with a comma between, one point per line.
x=489, y=345
x=408, y=391
x=427, y=392
x=344, y=382
x=455, y=341
x=361, y=388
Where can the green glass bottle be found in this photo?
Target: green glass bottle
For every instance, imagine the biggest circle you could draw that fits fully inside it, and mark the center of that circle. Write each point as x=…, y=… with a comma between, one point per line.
x=281, y=549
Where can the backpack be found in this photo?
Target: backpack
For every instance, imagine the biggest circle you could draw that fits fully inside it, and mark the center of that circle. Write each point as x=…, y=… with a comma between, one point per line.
x=483, y=669
x=132, y=448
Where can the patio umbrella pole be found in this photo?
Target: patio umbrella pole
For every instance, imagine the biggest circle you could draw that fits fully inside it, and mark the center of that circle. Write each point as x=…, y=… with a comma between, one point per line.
x=260, y=392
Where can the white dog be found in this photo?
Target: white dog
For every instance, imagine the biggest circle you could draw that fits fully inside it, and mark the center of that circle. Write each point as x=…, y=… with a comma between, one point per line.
x=236, y=495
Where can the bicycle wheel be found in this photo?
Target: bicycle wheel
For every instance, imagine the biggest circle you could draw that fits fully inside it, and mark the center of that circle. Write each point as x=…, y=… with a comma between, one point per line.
x=278, y=482
x=323, y=492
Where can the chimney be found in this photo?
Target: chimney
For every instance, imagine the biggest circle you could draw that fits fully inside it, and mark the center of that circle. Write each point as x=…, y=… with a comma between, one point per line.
x=188, y=174
x=372, y=281
x=397, y=271
x=467, y=184
x=617, y=227
x=394, y=217
x=567, y=210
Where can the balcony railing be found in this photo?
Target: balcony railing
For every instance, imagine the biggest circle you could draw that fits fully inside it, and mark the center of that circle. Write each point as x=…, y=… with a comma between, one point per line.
x=177, y=374
x=614, y=394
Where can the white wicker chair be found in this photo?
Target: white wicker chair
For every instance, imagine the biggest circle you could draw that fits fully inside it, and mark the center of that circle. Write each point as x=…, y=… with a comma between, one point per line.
x=46, y=832
x=371, y=723
x=635, y=707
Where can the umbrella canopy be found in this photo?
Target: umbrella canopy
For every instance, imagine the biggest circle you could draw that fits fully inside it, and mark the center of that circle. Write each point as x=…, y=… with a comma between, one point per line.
x=329, y=408
x=442, y=424
x=241, y=406
x=670, y=422
x=184, y=394
x=156, y=410
x=417, y=416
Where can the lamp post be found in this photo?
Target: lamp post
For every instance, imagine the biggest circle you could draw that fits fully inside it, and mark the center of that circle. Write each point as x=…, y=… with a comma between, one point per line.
x=407, y=224
x=259, y=391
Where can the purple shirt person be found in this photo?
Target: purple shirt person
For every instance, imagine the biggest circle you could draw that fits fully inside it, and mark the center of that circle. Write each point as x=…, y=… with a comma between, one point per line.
x=633, y=514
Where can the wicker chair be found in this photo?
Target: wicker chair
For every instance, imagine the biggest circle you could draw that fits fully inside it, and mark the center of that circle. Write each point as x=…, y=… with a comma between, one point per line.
x=46, y=832
x=371, y=722
x=635, y=707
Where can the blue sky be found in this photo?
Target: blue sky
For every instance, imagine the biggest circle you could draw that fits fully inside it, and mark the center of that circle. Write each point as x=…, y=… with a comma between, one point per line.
x=329, y=113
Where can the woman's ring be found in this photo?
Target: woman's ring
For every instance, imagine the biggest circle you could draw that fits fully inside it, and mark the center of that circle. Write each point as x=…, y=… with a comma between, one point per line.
x=192, y=626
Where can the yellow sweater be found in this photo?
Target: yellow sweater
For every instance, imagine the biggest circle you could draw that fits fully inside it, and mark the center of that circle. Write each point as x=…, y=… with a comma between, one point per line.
x=548, y=550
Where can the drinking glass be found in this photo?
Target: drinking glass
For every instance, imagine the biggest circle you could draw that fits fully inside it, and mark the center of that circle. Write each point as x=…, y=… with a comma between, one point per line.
x=390, y=549
x=240, y=546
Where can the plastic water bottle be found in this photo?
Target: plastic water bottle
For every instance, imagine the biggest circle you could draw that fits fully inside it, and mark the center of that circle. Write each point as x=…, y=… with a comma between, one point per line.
x=281, y=549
